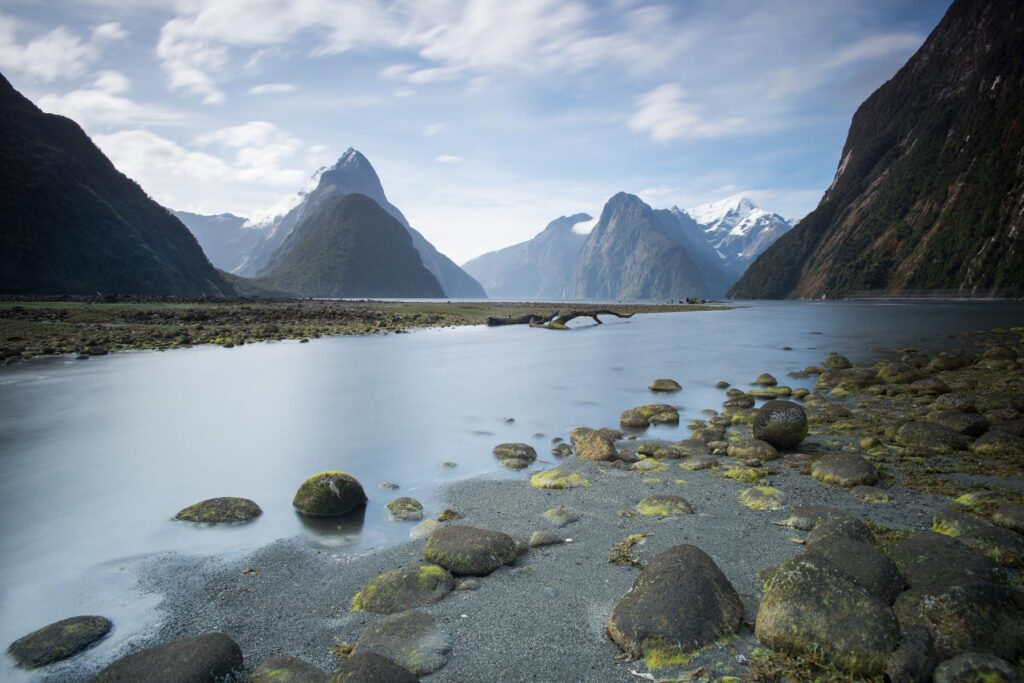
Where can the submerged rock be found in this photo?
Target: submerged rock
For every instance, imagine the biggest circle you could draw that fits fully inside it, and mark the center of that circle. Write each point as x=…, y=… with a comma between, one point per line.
x=679, y=603
x=286, y=670
x=410, y=639
x=206, y=658
x=837, y=362
x=518, y=451
x=465, y=550
x=783, y=424
x=405, y=509
x=220, y=511
x=329, y=494
x=408, y=587
x=665, y=385
x=369, y=667
x=58, y=641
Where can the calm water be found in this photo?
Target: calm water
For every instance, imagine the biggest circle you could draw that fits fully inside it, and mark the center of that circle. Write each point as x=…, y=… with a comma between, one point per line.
x=96, y=457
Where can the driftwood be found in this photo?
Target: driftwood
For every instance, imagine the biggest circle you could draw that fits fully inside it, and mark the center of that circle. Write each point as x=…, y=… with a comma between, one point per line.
x=555, y=321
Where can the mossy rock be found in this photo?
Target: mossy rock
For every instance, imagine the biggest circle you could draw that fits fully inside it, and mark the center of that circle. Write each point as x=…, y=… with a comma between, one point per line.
x=747, y=475
x=595, y=446
x=845, y=526
x=408, y=587
x=973, y=617
x=557, y=479
x=368, y=667
x=928, y=560
x=997, y=442
x=969, y=424
x=410, y=639
x=1008, y=516
x=562, y=450
x=844, y=469
x=837, y=362
x=468, y=551
x=220, y=511
x=648, y=465
x=741, y=401
x=766, y=380
x=915, y=659
x=664, y=505
x=517, y=451
x=208, y=657
x=806, y=517
x=646, y=415
x=783, y=424
x=929, y=386
x=898, y=372
x=762, y=498
x=956, y=401
x=678, y=604
x=744, y=449
x=870, y=495
x=973, y=667
x=329, y=494
x=698, y=462
x=540, y=539
x=561, y=516
x=931, y=436
x=58, y=641
x=405, y=509
x=863, y=563
x=665, y=386
x=810, y=607
x=286, y=670
x=771, y=392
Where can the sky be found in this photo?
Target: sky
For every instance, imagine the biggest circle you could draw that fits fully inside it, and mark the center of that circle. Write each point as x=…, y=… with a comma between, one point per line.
x=485, y=119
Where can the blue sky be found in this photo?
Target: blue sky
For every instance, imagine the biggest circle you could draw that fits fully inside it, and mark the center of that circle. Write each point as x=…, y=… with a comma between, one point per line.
x=484, y=118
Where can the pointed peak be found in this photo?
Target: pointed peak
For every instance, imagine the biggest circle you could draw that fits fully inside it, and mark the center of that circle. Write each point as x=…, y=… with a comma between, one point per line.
x=738, y=205
x=351, y=157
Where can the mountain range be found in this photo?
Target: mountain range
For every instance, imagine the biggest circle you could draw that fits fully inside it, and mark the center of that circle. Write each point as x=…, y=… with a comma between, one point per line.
x=738, y=229
x=73, y=224
x=929, y=191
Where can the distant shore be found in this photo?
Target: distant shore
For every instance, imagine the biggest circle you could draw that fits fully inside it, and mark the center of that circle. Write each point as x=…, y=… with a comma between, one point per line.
x=85, y=327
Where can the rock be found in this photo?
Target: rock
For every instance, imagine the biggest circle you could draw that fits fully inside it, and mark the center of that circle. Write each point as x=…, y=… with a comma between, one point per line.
x=972, y=667
x=844, y=469
x=539, y=539
x=689, y=448
x=972, y=617
x=557, y=479
x=515, y=451
x=1005, y=547
x=915, y=659
x=405, y=509
x=806, y=517
x=58, y=641
x=368, y=667
x=561, y=516
x=410, y=639
x=994, y=353
x=665, y=385
x=388, y=486
x=220, y=511
x=840, y=527
x=647, y=415
x=664, y=505
x=783, y=424
x=870, y=494
x=837, y=362
x=423, y=530
x=998, y=442
x=286, y=670
x=408, y=587
x=329, y=494
x=810, y=606
x=698, y=462
x=748, y=475
x=771, y=392
x=930, y=560
x=931, y=386
x=752, y=448
x=206, y=658
x=465, y=550
x=679, y=603
x=762, y=498
x=722, y=384
x=515, y=463
x=628, y=456
x=957, y=401
x=1008, y=516
x=649, y=465
x=970, y=424
x=448, y=515
x=863, y=563
x=562, y=450
x=595, y=446
x=931, y=436
x=741, y=401
x=950, y=361
x=468, y=585
x=898, y=372
x=766, y=380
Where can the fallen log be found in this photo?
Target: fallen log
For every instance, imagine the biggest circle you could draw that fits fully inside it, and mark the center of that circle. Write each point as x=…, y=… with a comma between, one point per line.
x=555, y=321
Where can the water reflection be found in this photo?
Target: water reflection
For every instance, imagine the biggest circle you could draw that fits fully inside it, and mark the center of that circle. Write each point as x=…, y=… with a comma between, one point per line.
x=334, y=532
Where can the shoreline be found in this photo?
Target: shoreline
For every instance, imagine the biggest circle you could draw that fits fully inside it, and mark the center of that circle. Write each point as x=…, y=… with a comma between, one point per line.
x=85, y=327
x=544, y=616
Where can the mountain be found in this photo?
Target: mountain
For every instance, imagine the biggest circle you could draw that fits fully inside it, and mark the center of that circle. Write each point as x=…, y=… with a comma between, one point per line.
x=351, y=247
x=225, y=238
x=738, y=229
x=353, y=174
x=636, y=252
x=929, y=192
x=71, y=223
x=540, y=268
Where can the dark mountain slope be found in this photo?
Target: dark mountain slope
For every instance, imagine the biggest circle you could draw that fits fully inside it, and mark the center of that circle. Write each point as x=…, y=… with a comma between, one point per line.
x=71, y=223
x=929, y=193
x=351, y=247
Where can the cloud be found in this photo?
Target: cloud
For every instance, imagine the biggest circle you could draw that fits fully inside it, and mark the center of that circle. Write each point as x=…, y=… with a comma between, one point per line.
x=260, y=151
x=664, y=115
x=59, y=53
x=449, y=159
x=272, y=89
x=104, y=102
x=433, y=129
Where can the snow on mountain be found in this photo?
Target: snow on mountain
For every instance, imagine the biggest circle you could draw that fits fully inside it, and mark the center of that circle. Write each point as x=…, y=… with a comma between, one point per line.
x=737, y=228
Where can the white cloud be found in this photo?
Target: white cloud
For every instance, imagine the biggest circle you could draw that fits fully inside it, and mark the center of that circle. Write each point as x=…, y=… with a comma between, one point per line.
x=260, y=151
x=449, y=159
x=104, y=102
x=664, y=115
x=56, y=54
x=109, y=31
x=272, y=89
x=433, y=129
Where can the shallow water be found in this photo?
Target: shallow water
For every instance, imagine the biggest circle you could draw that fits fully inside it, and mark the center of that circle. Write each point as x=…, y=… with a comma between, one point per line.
x=96, y=457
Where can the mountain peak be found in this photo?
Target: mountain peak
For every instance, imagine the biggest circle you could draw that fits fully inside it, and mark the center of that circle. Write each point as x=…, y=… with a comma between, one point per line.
x=738, y=205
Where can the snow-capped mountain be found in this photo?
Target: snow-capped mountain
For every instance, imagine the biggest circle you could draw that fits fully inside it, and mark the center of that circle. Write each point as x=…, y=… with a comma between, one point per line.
x=737, y=228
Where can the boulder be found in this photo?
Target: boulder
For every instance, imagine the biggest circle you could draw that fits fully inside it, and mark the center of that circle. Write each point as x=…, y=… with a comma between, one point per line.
x=844, y=469
x=931, y=436
x=465, y=550
x=969, y=424
x=930, y=386
x=664, y=505
x=220, y=511
x=928, y=560
x=329, y=494
x=665, y=385
x=679, y=603
x=766, y=380
x=58, y=641
x=837, y=362
x=898, y=372
x=863, y=563
x=368, y=667
x=972, y=667
x=410, y=639
x=840, y=526
x=745, y=449
x=998, y=442
x=915, y=659
x=595, y=446
x=286, y=670
x=960, y=402
x=783, y=424
x=206, y=658
x=408, y=587
x=811, y=607
x=405, y=509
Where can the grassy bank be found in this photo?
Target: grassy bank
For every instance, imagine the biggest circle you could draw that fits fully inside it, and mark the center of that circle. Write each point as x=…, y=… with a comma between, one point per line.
x=88, y=327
